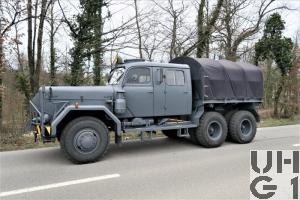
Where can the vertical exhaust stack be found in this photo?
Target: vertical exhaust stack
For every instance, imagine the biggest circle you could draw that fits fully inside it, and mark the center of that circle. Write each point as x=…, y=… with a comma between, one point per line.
x=42, y=93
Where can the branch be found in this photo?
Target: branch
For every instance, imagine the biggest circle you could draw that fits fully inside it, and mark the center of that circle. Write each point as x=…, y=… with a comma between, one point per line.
x=67, y=21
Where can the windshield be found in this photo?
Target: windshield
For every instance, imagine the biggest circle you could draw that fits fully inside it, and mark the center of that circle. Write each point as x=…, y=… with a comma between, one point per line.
x=116, y=75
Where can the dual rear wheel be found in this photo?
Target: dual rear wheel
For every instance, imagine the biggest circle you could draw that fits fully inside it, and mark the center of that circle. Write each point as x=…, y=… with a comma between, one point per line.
x=214, y=128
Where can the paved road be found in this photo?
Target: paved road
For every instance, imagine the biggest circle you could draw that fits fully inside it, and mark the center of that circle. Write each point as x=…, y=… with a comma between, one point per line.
x=157, y=169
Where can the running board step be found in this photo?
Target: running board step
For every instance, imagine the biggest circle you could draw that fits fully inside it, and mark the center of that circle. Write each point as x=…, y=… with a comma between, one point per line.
x=184, y=125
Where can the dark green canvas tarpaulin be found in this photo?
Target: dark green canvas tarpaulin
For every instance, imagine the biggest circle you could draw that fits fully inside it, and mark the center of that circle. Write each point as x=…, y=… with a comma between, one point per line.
x=223, y=79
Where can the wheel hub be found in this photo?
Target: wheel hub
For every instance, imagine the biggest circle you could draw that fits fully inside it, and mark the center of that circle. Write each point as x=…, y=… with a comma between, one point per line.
x=246, y=127
x=214, y=130
x=86, y=141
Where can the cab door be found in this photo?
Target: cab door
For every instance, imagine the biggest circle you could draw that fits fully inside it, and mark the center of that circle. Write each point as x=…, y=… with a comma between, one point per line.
x=159, y=91
x=138, y=89
x=177, y=93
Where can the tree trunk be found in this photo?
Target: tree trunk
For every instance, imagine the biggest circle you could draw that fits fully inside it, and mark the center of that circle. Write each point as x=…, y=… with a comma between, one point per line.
x=230, y=55
x=204, y=32
x=138, y=29
x=52, y=48
x=278, y=94
x=295, y=88
x=76, y=65
x=268, y=84
x=173, y=41
x=19, y=57
x=29, y=47
x=200, y=32
x=207, y=42
x=1, y=75
x=52, y=62
x=231, y=51
x=98, y=55
x=39, y=46
x=35, y=19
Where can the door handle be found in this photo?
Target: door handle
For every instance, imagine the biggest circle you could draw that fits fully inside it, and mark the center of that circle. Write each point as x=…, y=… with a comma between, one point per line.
x=150, y=92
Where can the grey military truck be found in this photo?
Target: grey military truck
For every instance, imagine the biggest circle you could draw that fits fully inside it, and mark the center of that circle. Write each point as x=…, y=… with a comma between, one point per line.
x=206, y=100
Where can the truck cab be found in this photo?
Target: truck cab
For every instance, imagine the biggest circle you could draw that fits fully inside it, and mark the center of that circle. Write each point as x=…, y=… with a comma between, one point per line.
x=153, y=89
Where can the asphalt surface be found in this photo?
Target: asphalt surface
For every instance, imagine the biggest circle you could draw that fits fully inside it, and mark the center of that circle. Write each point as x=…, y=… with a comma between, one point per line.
x=157, y=169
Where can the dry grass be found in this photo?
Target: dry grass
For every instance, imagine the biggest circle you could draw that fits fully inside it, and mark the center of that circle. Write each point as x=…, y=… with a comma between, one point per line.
x=25, y=142
x=267, y=122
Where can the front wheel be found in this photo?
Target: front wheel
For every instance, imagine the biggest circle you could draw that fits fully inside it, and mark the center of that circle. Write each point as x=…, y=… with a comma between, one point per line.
x=84, y=140
x=212, y=130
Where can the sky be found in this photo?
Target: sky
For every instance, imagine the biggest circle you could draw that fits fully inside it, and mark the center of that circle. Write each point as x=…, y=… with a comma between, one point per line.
x=123, y=9
x=291, y=18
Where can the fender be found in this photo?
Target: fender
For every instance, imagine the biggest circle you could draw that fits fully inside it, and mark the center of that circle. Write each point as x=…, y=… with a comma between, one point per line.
x=69, y=108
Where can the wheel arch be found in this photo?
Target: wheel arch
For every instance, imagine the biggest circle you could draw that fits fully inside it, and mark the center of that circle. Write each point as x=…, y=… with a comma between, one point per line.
x=71, y=112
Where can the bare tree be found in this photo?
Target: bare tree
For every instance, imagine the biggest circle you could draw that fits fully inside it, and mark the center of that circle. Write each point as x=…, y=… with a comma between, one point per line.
x=204, y=28
x=153, y=35
x=175, y=12
x=235, y=26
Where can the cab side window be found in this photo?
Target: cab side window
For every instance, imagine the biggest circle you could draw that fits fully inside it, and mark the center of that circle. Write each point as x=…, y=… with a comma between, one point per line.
x=174, y=77
x=139, y=75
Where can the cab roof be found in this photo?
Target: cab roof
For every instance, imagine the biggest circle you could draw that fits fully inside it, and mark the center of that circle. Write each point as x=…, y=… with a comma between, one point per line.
x=154, y=64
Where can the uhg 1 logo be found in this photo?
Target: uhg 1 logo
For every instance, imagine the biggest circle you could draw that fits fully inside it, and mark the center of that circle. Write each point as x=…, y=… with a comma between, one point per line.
x=274, y=174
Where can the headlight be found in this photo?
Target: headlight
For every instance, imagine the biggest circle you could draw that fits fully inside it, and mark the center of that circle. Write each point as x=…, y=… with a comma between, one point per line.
x=36, y=120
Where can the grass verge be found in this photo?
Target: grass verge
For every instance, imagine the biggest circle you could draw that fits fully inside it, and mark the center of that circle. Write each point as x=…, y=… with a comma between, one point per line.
x=25, y=142
x=269, y=122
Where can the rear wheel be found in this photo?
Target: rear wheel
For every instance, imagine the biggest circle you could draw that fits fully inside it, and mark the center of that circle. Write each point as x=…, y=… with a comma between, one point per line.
x=212, y=130
x=228, y=116
x=242, y=127
x=84, y=139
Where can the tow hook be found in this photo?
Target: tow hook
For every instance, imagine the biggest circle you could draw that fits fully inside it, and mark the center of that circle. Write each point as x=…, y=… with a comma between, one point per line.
x=35, y=137
x=36, y=132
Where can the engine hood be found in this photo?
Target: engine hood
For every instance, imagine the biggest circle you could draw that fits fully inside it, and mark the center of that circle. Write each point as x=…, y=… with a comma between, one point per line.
x=79, y=92
x=57, y=96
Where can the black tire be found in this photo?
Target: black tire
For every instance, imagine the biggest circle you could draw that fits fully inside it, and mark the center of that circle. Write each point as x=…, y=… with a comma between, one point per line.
x=228, y=116
x=193, y=136
x=242, y=127
x=84, y=140
x=170, y=133
x=212, y=130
